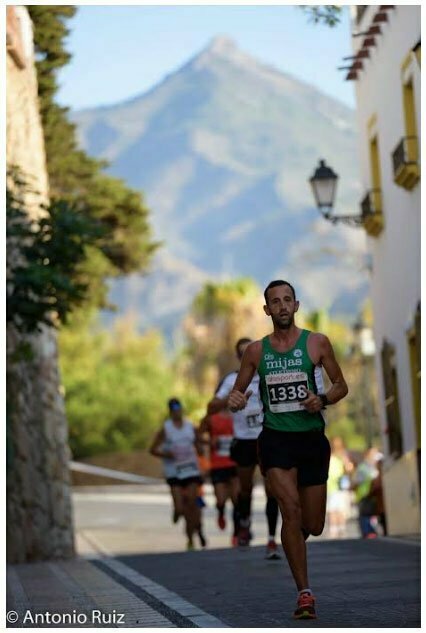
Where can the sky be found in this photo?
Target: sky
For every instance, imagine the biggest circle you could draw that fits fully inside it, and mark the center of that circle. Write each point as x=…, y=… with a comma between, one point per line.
x=119, y=52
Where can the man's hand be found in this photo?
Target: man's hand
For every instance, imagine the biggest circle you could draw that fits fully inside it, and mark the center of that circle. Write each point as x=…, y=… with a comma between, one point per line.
x=312, y=403
x=167, y=454
x=238, y=400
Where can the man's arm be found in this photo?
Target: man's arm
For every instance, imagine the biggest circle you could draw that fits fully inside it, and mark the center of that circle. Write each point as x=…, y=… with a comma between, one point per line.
x=204, y=426
x=198, y=441
x=220, y=400
x=238, y=397
x=216, y=404
x=155, y=446
x=339, y=388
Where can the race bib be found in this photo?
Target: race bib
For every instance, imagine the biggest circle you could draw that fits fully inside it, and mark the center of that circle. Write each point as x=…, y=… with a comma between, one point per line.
x=254, y=419
x=185, y=462
x=223, y=447
x=186, y=469
x=286, y=391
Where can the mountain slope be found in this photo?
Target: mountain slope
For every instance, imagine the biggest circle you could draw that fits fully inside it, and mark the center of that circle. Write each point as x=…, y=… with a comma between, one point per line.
x=222, y=149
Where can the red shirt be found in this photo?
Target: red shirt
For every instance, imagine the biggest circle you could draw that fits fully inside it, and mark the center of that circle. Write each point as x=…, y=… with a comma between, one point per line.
x=221, y=434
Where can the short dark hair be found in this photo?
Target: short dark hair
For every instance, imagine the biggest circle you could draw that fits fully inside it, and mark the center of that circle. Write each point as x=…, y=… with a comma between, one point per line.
x=241, y=341
x=278, y=282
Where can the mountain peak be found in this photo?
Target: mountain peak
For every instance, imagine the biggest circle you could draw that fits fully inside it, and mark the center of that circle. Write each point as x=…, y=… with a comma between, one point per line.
x=222, y=45
x=221, y=48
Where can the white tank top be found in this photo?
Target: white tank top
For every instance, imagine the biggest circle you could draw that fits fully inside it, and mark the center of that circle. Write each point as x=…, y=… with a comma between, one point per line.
x=181, y=442
x=169, y=468
x=248, y=421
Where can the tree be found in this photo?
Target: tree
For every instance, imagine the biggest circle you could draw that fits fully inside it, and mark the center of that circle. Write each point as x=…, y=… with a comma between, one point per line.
x=116, y=386
x=221, y=313
x=43, y=256
x=126, y=244
x=328, y=14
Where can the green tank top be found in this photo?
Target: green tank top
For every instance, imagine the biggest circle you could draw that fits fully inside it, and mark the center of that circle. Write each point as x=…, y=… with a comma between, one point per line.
x=284, y=380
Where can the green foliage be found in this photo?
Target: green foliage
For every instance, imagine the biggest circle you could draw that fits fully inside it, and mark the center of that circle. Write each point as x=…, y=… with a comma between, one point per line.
x=116, y=387
x=218, y=299
x=43, y=256
x=346, y=428
x=328, y=14
x=78, y=179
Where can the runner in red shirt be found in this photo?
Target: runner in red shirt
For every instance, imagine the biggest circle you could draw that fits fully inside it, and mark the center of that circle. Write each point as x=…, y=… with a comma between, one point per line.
x=223, y=472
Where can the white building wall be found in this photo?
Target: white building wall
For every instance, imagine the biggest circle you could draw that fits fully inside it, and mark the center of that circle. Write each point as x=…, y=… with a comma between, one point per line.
x=396, y=252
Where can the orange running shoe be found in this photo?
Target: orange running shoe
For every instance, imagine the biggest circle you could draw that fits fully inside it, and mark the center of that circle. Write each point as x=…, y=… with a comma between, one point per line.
x=305, y=609
x=272, y=551
x=221, y=521
x=243, y=537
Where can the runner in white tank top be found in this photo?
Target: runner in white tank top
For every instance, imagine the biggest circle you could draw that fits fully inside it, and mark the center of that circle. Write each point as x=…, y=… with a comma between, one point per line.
x=177, y=444
x=247, y=428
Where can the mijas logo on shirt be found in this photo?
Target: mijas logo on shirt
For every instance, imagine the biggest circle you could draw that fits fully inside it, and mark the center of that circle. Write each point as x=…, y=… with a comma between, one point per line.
x=284, y=363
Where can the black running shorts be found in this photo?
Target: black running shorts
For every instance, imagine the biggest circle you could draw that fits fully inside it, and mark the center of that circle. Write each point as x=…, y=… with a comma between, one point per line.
x=244, y=452
x=222, y=475
x=308, y=451
x=183, y=483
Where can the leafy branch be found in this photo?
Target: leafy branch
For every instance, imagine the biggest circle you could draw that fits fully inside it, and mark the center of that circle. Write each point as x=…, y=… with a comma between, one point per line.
x=43, y=258
x=328, y=14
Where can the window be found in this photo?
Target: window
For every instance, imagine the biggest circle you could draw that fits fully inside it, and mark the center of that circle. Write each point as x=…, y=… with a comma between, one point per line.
x=413, y=338
x=405, y=156
x=392, y=411
x=418, y=52
x=371, y=205
x=409, y=109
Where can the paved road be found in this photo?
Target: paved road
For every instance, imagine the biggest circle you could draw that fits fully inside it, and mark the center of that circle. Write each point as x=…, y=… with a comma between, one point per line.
x=136, y=519
x=358, y=583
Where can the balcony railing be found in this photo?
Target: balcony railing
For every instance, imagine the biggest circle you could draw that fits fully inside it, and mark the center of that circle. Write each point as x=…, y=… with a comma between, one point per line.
x=372, y=203
x=405, y=158
x=406, y=152
x=371, y=212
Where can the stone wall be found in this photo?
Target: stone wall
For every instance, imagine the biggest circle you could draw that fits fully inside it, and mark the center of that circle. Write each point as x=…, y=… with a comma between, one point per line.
x=39, y=517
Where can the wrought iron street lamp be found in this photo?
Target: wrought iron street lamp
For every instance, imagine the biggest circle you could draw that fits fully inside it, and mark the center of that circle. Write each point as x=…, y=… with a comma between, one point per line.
x=324, y=185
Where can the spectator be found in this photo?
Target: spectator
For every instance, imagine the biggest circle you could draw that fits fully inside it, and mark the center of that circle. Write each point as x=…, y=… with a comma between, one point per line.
x=338, y=488
x=376, y=492
x=365, y=473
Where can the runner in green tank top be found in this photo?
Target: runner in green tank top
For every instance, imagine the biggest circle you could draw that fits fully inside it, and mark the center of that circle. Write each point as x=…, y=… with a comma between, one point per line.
x=285, y=379
x=293, y=451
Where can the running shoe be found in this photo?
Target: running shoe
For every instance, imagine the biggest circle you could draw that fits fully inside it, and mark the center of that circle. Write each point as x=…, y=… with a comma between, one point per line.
x=234, y=541
x=305, y=609
x=221, y=521
x=202, y=538
x=244, y=537
x=200, y=502
x=190, y=546
x=176, y=516
x=272, y=551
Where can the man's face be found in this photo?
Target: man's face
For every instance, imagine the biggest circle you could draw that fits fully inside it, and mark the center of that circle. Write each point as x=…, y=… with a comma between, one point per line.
x=281, y=306
x=176, y=414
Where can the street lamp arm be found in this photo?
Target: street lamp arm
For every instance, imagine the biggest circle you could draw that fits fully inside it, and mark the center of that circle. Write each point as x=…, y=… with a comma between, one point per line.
x=350, y=220
x=323, y=183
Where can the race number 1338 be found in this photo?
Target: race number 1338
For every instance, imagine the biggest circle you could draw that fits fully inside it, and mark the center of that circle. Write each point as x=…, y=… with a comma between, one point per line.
x=286, y=391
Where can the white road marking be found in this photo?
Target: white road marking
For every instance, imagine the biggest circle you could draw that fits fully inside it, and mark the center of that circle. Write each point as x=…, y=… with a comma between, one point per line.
x=172, y=600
